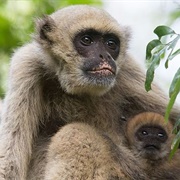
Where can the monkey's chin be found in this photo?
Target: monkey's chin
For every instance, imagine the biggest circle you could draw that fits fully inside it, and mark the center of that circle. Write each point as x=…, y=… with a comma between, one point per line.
x=92, y=87
x=87, y=83
x=98, y=83
x=152, y=154
x=91, y=91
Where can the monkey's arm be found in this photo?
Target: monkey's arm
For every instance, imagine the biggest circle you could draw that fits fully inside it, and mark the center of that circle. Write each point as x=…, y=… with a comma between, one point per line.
x=21, y=114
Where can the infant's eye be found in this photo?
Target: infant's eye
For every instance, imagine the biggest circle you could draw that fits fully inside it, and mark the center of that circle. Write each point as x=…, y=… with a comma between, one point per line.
x=86, y=40
x=144, y=133
x=160, y=135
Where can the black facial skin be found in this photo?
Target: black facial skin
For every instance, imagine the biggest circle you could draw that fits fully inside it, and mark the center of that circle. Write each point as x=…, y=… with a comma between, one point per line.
x=99, y=52
x=152, y=137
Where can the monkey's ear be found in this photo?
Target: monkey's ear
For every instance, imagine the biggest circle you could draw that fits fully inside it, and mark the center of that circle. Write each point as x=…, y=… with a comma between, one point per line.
x=45, y=28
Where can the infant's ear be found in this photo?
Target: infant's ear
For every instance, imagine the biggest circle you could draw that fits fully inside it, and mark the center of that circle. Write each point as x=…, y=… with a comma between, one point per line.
x=45, y=27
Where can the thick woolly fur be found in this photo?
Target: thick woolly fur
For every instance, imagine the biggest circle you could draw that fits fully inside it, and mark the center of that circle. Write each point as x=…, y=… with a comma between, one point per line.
x=157, y=166
x=47, y=90
x=78, y=151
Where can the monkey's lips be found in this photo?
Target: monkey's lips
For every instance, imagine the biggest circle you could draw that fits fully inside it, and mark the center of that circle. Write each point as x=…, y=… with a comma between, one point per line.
x=103, y=70
x=151, y=147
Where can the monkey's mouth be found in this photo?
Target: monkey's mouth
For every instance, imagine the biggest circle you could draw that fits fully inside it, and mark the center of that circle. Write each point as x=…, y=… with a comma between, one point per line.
x=151, y=147
x=104, y=70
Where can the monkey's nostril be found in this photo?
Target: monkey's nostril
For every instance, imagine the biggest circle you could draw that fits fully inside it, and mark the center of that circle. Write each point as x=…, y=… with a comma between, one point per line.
x=101, y=56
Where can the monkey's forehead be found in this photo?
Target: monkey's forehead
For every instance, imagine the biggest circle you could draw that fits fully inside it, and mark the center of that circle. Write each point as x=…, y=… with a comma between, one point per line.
x=81, y=17
x=149, y=119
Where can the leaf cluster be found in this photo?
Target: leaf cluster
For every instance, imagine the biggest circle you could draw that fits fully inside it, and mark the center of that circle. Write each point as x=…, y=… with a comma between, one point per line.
x=155, y=52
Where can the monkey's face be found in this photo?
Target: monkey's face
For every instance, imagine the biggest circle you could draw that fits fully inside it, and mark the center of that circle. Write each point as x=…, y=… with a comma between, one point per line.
x=149, y=135
x=151, y=142
x=99, y=53
x=87, y=49
x=94, y=68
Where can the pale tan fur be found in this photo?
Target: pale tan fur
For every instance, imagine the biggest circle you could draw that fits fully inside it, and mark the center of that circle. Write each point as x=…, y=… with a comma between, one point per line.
x=161, y=167
x=47, y=90
x=78, y=151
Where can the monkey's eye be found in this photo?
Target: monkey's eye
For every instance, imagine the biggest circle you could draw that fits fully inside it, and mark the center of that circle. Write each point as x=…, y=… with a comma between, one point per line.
x=144, y=133
x=111, y=44
x=86, y=40
x=161, y=135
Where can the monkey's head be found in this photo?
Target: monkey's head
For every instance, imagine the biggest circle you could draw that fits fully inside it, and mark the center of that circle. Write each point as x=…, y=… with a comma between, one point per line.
x=87, y=47
x=149, y=135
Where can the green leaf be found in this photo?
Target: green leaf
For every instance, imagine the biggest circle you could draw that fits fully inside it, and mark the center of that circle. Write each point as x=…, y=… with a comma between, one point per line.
x=171, y=55
x=177, y=124
x=175, y=145
x=175, y=83
x=163, y=31
x=170, y=106
x=174, y=42
x=151, y=45
x=167, y=63
x=150, y=71
x=155, y=59
x=174, y=54
x=173, y=92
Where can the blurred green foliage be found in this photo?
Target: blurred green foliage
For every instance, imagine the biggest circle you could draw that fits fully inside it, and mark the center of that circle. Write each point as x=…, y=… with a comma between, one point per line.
x=17, y=24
